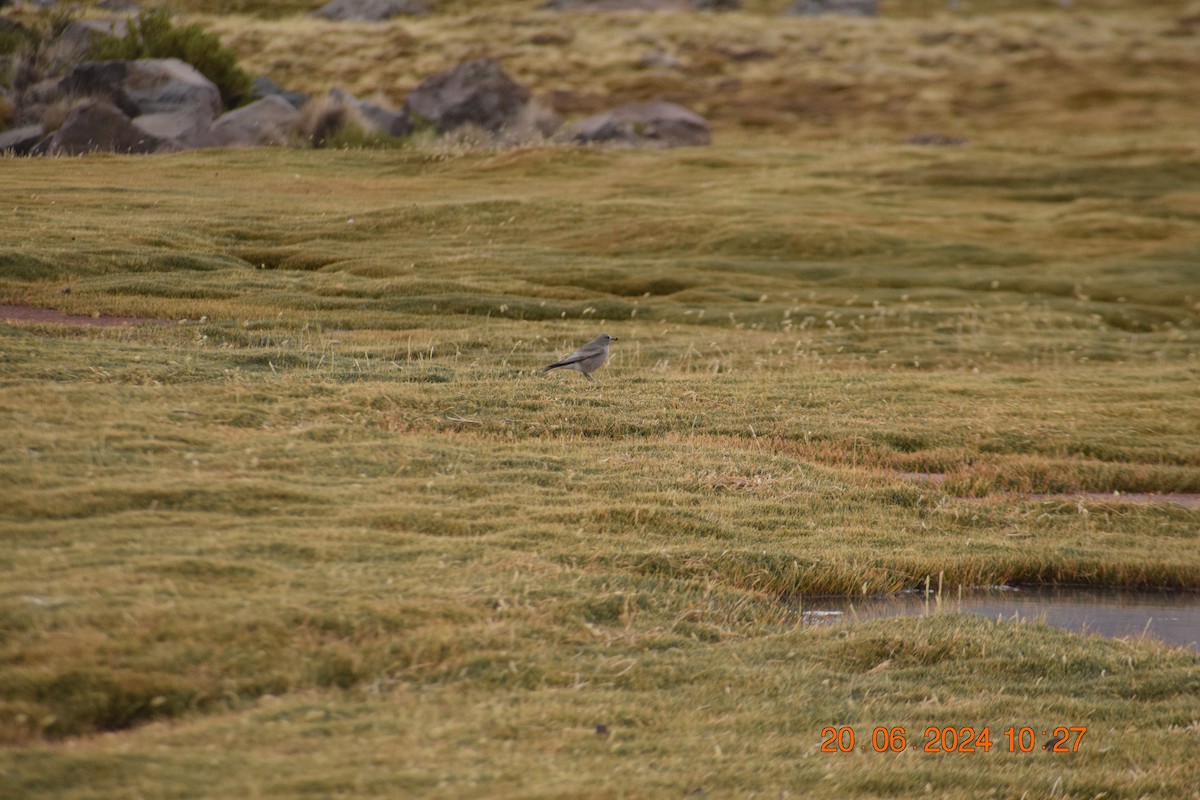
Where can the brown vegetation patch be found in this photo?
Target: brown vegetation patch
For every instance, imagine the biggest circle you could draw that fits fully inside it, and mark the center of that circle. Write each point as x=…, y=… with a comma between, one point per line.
x=50, y=316
x=1185, y=499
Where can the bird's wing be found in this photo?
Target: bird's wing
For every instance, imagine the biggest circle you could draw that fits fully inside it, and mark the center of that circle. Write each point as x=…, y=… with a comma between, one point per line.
x=589, y=350
x=574, y=358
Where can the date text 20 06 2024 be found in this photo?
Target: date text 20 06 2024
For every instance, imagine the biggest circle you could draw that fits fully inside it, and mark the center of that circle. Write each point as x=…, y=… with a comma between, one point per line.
x=938, y=739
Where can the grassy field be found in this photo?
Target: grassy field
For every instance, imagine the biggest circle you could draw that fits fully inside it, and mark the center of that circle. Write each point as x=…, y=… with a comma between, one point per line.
x=329, y=532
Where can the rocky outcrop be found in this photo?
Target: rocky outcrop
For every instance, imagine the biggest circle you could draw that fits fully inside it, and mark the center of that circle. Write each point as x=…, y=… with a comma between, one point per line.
x=98, y=125
x=617, y=5
x=144, y=86
x=642, y=5
x=848, y=8
x=477, y=93
x=935, y=140
x=657, y=124
x=371, y=10
x=166, y=105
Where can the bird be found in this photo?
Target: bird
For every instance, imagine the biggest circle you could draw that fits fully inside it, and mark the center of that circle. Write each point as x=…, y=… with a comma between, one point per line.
x=586, y=359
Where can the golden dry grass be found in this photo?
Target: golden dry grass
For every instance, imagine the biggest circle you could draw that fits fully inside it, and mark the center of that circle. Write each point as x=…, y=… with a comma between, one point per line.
x=1012, y=77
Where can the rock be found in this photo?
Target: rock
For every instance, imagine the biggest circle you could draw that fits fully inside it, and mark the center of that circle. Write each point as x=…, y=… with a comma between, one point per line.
x=185, y=129
x=34, y=101
x=848, y=8
x=374, y=118
x=648, y=124
x=616, y=5
x=81, y=34
x=271, y=120
x=144, y=86
x=20, y=141
x=97, y=125
x=935, y=140
x=265, y=87
x=476, y=92
x=371, y=10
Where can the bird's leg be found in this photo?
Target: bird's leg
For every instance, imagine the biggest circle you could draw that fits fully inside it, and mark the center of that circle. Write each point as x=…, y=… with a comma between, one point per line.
x=589, y=377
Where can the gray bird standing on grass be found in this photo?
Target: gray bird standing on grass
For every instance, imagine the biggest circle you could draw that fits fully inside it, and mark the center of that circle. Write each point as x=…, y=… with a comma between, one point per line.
x=586, y=359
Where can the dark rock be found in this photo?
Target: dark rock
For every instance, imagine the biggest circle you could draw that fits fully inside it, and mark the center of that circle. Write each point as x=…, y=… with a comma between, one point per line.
x=144, y=86
x=20, y=141
x=848, y=8
x=265, y=87
x=646, y=124
x=476, y=92
x=371, y=10
x=935, y=139
x=616, y=5
x=100, y=126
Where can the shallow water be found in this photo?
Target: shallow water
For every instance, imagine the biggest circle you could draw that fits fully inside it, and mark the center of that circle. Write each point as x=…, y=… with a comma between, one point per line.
x=1171, y=617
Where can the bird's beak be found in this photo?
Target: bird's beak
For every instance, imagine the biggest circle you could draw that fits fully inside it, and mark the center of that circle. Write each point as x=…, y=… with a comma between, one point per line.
x=613, y=339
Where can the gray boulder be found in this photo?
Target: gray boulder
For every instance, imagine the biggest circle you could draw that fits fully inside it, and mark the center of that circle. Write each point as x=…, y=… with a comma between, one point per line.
x=184, y=129
x=848, y=8
x=616, y=5
x=476, y=92
x=371, y=10
x=657, y=124
x=20, y=141
x=144, y=86
x=935, y=140
x=372, y=117
x=271, y=120
x=100, y=126
x=265, y=87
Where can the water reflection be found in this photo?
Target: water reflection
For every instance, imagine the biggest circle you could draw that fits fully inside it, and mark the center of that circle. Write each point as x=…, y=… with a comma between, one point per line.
x=1172, y=617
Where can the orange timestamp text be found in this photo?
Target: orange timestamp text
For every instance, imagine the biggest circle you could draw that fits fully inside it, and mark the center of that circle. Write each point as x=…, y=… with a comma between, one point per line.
x=950, y=739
